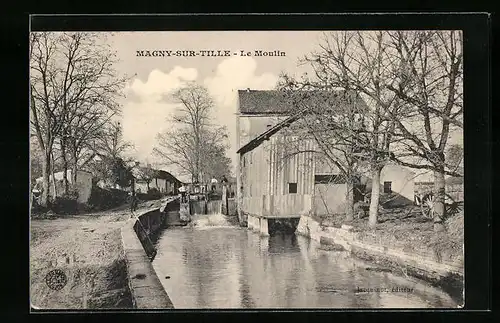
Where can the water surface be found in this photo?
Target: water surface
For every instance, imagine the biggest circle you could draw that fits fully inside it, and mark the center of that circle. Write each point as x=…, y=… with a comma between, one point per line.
x=214, y=265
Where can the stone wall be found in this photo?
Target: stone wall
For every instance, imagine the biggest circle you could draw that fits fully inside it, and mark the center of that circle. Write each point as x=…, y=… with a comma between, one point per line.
x=429, y=266
x=145, y=286
x=149, y=223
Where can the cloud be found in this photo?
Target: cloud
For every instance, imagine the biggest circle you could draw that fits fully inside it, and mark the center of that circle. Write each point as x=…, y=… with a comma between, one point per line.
x=233, y=74
x=160, y=84
x=237, y=73
x=145, y=112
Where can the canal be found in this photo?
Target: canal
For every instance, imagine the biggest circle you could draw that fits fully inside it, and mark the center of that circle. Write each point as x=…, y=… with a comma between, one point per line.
x=216, y=265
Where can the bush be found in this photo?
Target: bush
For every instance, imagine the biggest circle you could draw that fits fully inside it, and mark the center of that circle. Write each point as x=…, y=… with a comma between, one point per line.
x=37, y=209
x=152, y=194
x=103, y=199
x=66, y=204
x=154, y=191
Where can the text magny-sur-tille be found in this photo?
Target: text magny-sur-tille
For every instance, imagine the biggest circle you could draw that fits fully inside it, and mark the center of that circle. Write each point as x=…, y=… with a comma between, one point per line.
x=208, y=53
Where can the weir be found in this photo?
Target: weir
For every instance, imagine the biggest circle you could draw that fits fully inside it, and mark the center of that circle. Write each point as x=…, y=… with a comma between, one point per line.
x=202, y=204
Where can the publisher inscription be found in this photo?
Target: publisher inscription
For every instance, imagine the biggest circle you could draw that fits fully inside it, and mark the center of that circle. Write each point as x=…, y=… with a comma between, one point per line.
x=384, y=290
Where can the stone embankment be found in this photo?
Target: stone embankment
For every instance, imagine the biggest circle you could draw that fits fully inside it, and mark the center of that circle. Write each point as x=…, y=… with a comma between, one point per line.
x=429, y=266
x=145, y=286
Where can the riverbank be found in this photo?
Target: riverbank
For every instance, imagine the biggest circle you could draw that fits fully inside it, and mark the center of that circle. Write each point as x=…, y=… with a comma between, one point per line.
x=88, y=248
x=406, y=246
x=144, y=284
x=405, y=228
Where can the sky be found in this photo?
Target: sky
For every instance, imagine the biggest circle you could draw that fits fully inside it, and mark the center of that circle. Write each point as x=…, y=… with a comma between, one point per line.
x=145, y=109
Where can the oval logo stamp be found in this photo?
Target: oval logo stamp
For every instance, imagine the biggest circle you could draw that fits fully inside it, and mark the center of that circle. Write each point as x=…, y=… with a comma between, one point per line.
x=56, y=279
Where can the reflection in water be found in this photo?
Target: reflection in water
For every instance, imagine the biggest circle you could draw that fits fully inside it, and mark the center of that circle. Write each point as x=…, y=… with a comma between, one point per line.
x=230, y=267
x=283, y=243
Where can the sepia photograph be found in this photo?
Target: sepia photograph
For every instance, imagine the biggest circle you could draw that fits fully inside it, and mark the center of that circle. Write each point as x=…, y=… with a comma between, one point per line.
x=318, y=169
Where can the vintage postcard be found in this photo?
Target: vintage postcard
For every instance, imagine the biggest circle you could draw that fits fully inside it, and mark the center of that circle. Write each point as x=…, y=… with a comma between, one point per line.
x=247, y=169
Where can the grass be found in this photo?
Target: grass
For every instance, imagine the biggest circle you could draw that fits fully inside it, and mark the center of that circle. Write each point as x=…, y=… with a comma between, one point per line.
x=405, y=228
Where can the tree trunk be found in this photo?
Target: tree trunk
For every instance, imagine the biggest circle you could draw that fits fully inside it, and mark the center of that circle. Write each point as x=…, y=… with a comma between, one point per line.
x=74, y=173
x=439, y=197
x=74, y=176
x=54, y=183
x=375, y=197
x=349, y=208
x=65, y=167
x=44, y=199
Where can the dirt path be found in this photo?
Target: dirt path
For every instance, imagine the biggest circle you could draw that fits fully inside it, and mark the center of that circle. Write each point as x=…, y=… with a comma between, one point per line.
x=88, y=249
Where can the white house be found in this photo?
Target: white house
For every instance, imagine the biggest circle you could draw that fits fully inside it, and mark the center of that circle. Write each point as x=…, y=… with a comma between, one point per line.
x=398, y=179
x=83, y=184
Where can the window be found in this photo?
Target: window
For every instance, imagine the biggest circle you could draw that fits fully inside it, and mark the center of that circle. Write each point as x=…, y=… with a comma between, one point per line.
x=292, y=187
x=326, y=179
x=387, y=187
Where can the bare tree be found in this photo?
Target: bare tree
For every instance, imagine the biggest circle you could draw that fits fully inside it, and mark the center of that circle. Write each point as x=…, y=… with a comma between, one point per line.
x=411, y=82
x=194, y=112
x=175, y=147
x=91, y=87
x=71, y=76
x=105, y=156
x=215, y=162
x=110, y=141
x=147, y=174
x=362, y=62
x=45, y=115
x=329, y=118
x=73, y=91
x=104, y=146
x=454, y=158
x=35, y=159
x=193, y=140
x=430, y=83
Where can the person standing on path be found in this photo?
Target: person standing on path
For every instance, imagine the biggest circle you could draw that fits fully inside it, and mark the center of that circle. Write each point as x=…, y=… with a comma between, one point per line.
x=183, y=190
x=214, y=183
x=133, y=202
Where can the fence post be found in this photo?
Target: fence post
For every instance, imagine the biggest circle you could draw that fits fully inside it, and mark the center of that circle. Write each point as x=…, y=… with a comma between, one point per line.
x=224, y=206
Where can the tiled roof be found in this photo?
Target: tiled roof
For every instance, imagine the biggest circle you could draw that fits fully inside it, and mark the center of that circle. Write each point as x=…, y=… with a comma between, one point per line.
x=278, y=102
x=258, y=101
x=335, y=100
x=166, y=175
x=160, y=174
